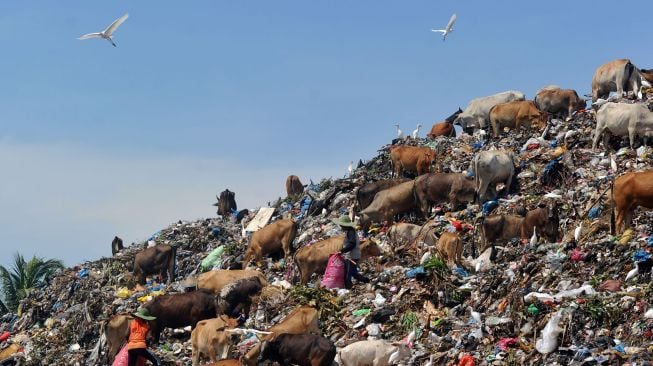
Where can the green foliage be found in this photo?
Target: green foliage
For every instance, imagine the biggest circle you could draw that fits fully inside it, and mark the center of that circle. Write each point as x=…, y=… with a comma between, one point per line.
x=409, y=320
x=24, y=276
x=436, y=264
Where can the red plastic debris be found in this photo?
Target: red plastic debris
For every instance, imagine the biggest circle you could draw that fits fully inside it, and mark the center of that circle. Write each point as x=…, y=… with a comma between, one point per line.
x=4, y=336
x=577, y=255
x=505, y=343
x=467, y=360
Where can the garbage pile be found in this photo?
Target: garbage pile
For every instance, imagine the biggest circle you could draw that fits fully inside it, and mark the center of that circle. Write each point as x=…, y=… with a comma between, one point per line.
x=582, y=300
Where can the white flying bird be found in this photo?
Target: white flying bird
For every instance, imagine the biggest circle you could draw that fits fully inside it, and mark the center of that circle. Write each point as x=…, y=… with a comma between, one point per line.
x=107, y=33
x=416, y=131
x=448, y=29
x=400, y=133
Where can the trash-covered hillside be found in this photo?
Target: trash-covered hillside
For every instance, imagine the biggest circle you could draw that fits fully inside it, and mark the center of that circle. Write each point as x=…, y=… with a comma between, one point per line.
x=576, y=301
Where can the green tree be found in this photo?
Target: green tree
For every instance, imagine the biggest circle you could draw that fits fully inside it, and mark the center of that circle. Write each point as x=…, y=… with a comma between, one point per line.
x=23, y=277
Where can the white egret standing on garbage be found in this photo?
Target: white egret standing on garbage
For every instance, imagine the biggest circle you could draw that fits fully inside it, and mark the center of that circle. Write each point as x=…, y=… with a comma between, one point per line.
x=448, y=29
x=243, y=232
x=107, y=33
x=350, y=168
x=400, y=133
x=578, y=231
x=613, y=164
x=632, y=273
x=475, y=315
x=416, y=131
x=534, y=237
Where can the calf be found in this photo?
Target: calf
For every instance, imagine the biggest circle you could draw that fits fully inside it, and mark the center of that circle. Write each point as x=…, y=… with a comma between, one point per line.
x=209, y=339
x=411, y=159
x=492, y=167
x=629, y=191
x=516, y=114
x=181, y=310
x=274, y=237
x=373, y=353
x=365, y=194
x=444, y=128
x=618, y=75
x=450, y=248
x=403, y=233
x=238, y=295
x=154, y=260
x=299, y=349
x=294, y=185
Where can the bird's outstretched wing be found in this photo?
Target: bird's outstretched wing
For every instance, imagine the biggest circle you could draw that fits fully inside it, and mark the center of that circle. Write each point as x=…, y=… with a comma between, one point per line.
x=439, y=30
x=112, y=28
x=91, y=35
x=451, y=21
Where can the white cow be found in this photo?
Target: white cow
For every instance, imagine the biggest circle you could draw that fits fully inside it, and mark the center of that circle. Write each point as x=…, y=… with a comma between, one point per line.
x=618, y=75
x=477, y=113
x=622, y=119
x=492, y=167
x=373, y=353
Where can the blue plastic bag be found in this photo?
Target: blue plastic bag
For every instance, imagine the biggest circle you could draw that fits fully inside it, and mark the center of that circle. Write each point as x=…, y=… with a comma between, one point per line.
x=416, y=272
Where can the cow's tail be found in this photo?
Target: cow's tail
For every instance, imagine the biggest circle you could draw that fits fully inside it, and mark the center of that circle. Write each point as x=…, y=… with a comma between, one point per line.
x=172, y=265
x=628, y=73
x=613, y=230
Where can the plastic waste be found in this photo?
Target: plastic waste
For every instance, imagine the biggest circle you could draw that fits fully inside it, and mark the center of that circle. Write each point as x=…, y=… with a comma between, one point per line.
x=83, y=273
x=379, y=300
x=467, y=360
x=123, y=293
x=213, y=259
x=493, y=320
x=505, y=343
x=595, y=212
x=334, y=275
x=361, y=312
x=548, y=340
x=417, y=272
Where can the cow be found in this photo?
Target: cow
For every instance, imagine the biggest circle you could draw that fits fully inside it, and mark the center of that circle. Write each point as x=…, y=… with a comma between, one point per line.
x=618, y=75
x=226, y=363
x=302, y=319
x=373, y=353
x=294, y=185
x=622, y=119
x=454, y=188
x=388, y=203
x=492, y=167
x=154, y=260
x=216, y=280
x=629, y=191
x=516, y=114
x=180, y=310
x=116, y=245
x=411, y=159
x=544, y=220
x=450, y=248
x=559, y=102
x=313, y=258
x=226, y=203
x=274, y=237
x=403, y=233
x=366, y=193
x=444, y=128
x=477, y=113
x=209, y=338
x=298, y=349
x=647, y=75
x=116, y=331
x=238, y=295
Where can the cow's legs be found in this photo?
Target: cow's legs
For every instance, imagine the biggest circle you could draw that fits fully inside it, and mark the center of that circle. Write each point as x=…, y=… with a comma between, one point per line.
x=195, y=356
x=482, y=189
x=620, y=85
x=631, y=135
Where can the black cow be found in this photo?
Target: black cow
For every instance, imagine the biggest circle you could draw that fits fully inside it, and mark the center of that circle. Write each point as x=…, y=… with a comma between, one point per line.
x=299, y=349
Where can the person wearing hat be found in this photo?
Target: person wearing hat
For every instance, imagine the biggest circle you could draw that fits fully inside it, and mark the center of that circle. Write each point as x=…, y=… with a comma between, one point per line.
x=351, y=250
x=137, y=346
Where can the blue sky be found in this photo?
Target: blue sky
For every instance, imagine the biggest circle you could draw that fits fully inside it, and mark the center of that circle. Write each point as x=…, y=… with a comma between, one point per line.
x=204, y=95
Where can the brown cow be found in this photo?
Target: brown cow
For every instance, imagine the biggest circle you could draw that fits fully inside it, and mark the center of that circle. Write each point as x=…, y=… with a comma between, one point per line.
x=559, y=102
x=294, y=185
x=303, y=319
x=116, y=331
x=209, y=338
x=313, y=258
x=629, y=191
x=647, y=75
x=226, y=363
x=181, y=310
x=154, y=260
x=618, y=75
x=444, y=128
x=216, y=280
x=450, y=248
x=411, y=159
x=274, y=237
x=516, y=114
x=366, y=193
x=226, y=203
x=298, y=349
x=388, y=203
x=434, y=188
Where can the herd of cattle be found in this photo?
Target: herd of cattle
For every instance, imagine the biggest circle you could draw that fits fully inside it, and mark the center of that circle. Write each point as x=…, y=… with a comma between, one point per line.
x=221, y=294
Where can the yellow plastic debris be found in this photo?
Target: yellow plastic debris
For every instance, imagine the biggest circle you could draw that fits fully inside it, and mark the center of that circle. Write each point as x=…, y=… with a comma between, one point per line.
x=123, y=293
x=626, y=236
